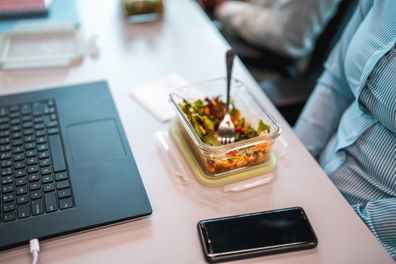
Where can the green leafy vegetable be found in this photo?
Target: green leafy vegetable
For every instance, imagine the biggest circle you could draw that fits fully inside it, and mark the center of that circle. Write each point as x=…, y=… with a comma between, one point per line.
x=206, y=115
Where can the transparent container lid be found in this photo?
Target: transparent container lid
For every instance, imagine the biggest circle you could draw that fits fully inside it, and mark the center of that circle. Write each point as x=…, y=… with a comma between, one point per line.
x=41, y=46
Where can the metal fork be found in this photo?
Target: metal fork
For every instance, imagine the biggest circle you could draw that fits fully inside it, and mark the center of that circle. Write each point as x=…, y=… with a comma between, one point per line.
x=226, y=130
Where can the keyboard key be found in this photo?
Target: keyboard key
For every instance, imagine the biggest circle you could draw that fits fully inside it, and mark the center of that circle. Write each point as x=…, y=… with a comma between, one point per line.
x=62, y=185
x=5, y=140
x=9, y=207
x=29, y=139
x=3, y=120
x=40, y=133
x=19, y=165
x=58, y=159
x=16, y=128
x=38, y=110
x=49, y=110
x=27, y=125
x=30, y=145
x=41, y=140
x=50, y=202
x=33, y=169
x=39, y=119
x=20, y=173
x=6, y=155
x=4, y=126
x=61, y=176
x=34, y=177
x=31, y=153
x=46, y=170
x=21, y=181
x=23, y=211
x=6, y=171
x=64, y=193
x=32, y=161
x=8, y=198
x=19, y=157
x=7, y=188
x=39, y=126
x=42, y=147
x=3, y=111
x=53, y=117
x=16, y=135
x=17, y=142
x=22, y=189
x=29, y=132
x=26, y=109
x=34, y=186
x=15, y=115
x=7, y=180
x=52, y=124
x=52, y=131
x=4, y=133
x=26, y=118
x=65, y=203
x=37, y=207
x=43, y=155
x=9, y=217
x=51, y=102
x=14, y=108
x=18, y=149
x=15, y=121
x=6, y=163
x=4, y=148
x=45, y=162
x=35, y=195
x=48, y=187
x=22, y=199
x=48, y=178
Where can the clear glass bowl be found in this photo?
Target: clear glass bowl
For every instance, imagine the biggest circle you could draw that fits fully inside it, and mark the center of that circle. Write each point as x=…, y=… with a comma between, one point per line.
x=223, y=160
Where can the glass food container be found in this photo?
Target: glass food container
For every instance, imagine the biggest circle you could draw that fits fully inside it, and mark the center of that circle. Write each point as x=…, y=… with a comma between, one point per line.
x=143, y=10
x=224, y=160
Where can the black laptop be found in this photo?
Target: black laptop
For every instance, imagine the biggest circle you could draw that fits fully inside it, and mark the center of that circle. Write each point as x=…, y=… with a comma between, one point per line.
x=66, y=165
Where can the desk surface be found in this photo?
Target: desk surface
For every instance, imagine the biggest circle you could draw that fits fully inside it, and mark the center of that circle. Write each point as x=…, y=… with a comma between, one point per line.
x=184, y=42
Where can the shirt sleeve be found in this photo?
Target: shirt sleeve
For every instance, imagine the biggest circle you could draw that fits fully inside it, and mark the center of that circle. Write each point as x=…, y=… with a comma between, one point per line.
x=273, y=26
x=378, y=97
x=322, y=112
x=380, y=218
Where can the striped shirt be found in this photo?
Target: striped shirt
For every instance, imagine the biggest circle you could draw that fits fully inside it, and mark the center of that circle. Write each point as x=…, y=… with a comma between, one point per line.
x=349, y=122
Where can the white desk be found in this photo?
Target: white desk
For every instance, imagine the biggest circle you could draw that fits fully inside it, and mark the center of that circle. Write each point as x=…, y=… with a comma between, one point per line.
x=186, y=43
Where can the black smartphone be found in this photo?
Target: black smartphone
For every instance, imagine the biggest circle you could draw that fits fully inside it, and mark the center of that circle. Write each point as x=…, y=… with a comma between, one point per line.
x=255, y=234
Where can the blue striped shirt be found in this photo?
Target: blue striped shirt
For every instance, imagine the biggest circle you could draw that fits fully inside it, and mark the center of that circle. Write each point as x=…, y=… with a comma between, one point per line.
x=349, y=122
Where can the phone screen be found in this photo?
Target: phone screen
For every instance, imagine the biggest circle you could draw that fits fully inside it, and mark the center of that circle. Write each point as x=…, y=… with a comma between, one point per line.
x=279, y=230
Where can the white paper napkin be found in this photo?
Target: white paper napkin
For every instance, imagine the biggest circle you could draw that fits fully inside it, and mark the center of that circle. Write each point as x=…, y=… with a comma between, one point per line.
x=154, y=96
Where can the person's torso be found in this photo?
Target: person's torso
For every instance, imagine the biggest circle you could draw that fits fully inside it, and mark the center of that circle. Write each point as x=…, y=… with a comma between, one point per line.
x=363, y=153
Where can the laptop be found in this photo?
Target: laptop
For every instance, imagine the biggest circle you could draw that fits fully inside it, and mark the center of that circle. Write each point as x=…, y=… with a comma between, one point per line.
x=65, y=164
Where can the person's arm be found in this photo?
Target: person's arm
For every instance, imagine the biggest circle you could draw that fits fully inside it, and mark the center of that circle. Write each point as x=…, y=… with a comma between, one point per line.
x=289, y=27
x=378, y=97
x=380, y=218
x=331, y=96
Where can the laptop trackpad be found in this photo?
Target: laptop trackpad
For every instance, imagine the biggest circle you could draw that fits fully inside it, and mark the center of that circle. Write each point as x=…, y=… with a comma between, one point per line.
x=95, y=141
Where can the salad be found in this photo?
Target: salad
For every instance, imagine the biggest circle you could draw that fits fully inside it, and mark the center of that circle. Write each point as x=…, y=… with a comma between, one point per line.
x=205, y=116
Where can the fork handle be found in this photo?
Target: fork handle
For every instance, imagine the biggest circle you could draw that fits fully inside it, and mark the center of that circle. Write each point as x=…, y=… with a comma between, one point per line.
x=229, y=63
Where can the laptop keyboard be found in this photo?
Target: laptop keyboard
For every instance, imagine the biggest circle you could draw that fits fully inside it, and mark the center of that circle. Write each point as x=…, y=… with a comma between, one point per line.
x=34, y=176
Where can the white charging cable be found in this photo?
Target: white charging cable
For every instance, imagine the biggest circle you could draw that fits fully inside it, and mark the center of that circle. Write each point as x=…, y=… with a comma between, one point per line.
x=34, y=249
